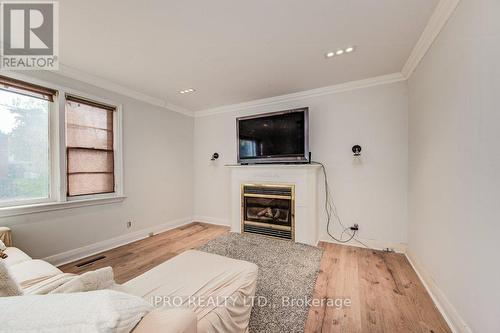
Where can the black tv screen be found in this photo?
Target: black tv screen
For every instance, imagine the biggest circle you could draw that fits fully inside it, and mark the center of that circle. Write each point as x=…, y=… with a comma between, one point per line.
x=274, y=137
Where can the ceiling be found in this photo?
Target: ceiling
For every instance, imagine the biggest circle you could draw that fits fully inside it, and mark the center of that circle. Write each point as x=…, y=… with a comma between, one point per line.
x=237, y=51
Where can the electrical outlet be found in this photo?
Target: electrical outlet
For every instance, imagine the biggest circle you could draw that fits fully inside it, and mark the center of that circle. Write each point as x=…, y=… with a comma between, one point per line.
x=129, y=224
x=151, y=234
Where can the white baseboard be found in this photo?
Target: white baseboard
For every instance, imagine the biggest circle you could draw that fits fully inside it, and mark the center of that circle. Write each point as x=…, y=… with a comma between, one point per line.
x=450, y=314
x=211, y=220
x=372, y=244
x=88, y=250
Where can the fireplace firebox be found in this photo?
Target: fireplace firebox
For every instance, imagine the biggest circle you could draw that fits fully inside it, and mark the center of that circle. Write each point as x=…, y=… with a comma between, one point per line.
x=268, y=210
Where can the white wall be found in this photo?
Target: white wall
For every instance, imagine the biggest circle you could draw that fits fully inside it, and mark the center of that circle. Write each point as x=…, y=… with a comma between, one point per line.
x=158, y=154
x=372, y=193
x=454, y=183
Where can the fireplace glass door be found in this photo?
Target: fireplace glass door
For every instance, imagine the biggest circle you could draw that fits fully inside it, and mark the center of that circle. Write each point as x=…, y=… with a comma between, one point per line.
x=268, y=210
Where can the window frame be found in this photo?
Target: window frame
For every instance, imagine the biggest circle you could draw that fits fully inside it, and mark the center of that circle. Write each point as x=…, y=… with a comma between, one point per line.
x=58, y=198
x=117, y=152
x=52, y=160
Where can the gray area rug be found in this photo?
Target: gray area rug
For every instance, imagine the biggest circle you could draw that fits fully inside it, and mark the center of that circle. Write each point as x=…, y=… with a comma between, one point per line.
x=286, y=270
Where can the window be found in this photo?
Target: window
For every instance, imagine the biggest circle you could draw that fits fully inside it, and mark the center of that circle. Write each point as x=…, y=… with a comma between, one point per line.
x=25, y=172
x=58, y=149
x=89, y=144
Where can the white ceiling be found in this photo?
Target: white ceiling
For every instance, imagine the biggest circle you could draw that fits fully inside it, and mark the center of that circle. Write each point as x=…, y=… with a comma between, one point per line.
x=232, y=51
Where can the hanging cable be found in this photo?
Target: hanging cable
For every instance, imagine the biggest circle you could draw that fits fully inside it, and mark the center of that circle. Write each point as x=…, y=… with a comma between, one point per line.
x=331, y=211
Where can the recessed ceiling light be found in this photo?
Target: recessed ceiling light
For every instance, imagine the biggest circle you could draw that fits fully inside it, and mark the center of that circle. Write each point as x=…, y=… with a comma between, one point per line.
x=331, y=54
x=186, y=91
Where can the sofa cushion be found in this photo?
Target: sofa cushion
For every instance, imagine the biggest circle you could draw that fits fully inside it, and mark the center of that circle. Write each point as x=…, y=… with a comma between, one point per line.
x=8, y=286
x=99, y=279
x=93, y=311
x=218, y=289
x=32, y=269
x=168, y=321
x=15, y=256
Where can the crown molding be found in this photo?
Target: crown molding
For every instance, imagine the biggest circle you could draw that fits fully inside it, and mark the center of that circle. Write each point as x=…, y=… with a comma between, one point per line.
x=334, y=89
x=96, y=81
x=437, y=21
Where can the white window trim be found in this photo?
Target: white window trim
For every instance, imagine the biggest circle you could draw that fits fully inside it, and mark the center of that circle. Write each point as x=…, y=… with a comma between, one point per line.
x=51, y=206
x=58, y=198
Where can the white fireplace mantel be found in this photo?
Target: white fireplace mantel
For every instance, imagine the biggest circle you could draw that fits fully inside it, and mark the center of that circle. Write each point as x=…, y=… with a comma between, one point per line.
x=305, y=179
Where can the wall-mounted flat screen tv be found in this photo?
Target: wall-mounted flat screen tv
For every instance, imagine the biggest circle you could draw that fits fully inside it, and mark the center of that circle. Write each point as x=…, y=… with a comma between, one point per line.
x=278, y=137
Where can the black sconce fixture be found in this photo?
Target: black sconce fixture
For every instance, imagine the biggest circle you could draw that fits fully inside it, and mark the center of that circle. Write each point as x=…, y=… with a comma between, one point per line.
x=214, y=156
x=356, y=150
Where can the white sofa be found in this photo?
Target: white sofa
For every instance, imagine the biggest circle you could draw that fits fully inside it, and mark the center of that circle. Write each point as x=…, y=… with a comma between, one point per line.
x=192, y=292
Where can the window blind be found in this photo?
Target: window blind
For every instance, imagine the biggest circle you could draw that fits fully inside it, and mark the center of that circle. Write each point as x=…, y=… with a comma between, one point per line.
x=28, y=89
x=89, y=142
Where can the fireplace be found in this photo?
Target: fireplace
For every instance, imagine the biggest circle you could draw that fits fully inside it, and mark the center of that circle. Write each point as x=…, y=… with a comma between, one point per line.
x=268, y=210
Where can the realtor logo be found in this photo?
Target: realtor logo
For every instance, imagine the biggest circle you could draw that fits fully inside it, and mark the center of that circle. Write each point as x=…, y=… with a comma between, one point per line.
x=29, y=35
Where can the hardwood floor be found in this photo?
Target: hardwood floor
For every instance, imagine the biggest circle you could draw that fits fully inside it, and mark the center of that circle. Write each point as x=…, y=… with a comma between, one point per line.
x=385, y=293
x=131, y=260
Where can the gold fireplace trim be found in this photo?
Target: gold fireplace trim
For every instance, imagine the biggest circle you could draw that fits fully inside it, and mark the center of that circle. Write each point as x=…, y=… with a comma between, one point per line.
x=270, y=196
x=267, y=225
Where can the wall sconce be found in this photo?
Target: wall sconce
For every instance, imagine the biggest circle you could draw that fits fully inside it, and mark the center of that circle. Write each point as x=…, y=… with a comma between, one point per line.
x=356, y=149
x=214, y=156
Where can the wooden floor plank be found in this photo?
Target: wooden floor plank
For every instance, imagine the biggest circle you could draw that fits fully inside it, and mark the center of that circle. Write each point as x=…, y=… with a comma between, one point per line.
x=415, y=304
x=317, y=311
x=385, y=293
x=133, y=259
x=345, y=286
